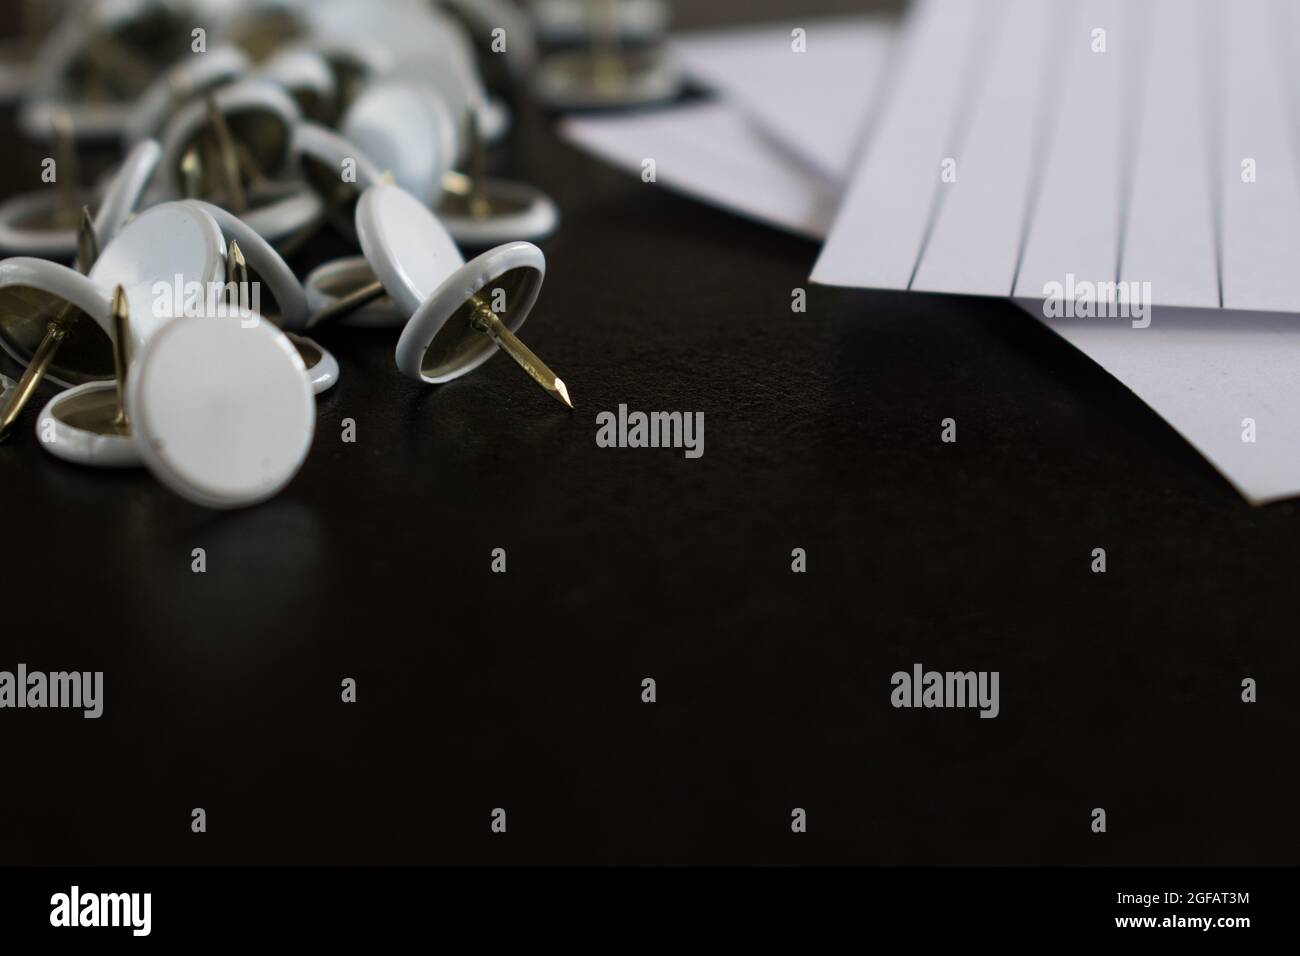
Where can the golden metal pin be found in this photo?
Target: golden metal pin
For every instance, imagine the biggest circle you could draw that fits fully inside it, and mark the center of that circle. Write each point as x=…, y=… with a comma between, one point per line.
x=480, y=207
x=480, y=211
x=484, y=320
x=609, y=67
x=489, y=323
x=238, y=273
x=87, y=242
x=229, y=156
x=192, y=173
x=68, y=167
x=256, y=178
x=88, y=424
x=346, y=305
x=120, y=314
x=17, y=398
x=237, y=269
x=33, y=375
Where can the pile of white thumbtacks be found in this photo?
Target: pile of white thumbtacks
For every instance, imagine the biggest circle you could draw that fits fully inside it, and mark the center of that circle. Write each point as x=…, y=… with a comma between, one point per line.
x=160, y=298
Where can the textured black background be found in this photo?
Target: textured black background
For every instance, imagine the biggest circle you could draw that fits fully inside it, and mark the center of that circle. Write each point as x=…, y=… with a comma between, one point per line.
x=523, y=690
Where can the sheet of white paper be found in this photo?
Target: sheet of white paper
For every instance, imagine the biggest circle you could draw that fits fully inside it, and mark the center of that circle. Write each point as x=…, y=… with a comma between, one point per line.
x=1170, y=154
x=975, y=241
x=782, y=67
x=1205, y=371
x=710, y=152
x=1261, y=218
x=882, y=223
x=1171, y=237
x=1075, y=228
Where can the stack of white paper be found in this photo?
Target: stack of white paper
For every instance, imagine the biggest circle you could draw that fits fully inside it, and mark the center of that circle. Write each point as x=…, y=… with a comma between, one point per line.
x=993, y=149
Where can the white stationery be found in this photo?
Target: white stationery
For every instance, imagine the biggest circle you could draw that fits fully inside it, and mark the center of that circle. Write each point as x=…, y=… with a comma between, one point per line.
x=786, y=66
x=708, y=151
x=1206, y=371
x=1026, y=142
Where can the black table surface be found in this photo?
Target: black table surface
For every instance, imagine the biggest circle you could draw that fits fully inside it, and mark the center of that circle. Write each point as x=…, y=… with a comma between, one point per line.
x=522, y=690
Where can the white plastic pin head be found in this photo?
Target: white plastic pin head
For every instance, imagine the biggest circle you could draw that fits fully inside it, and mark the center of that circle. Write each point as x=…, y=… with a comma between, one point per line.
x=222, y=410
x=410, y=131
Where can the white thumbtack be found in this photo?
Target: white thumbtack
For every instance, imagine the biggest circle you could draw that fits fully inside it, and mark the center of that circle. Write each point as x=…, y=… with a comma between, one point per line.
x=454, y=325
x=254, y=267
x=407, y=130
x=220, y=405
x=480, y=211
x=608, y=73
x=410, y=131
x=222, y=410
x=173, y=244
x=232, y=148
x=99, y=61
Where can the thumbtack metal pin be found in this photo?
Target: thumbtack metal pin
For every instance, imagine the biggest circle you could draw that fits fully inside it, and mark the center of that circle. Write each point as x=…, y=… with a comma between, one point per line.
x=609, y=69
x=229, y=158
x=339, y=279
x=88, y=425
x=68, y=170
x=237, y=270
x=121, y=356
x=56, y=331
x=192, y=173
x=346, y=305
x=87, y=242
x=485, y=320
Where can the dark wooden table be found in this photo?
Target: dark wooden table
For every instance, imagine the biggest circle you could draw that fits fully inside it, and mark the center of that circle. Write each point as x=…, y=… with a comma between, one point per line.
x=523, y=690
